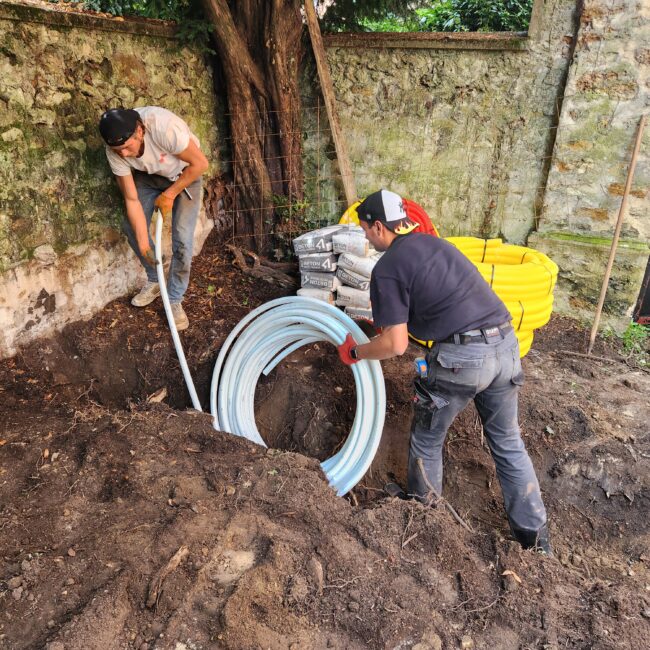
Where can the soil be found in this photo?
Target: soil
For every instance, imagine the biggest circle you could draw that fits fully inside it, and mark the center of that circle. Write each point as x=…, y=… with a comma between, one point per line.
x=101, y=486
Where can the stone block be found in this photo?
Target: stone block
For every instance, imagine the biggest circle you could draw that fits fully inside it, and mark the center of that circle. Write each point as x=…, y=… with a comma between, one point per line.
x=35, y=298
x=12, y=135
x=582, y=261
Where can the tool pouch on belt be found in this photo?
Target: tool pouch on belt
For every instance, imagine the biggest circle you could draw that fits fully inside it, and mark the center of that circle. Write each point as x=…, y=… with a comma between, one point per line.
x=426, y=403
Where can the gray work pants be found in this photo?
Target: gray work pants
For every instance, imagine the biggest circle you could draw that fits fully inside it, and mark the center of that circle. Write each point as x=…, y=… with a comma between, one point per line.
x=490, y=374
x=184, y=215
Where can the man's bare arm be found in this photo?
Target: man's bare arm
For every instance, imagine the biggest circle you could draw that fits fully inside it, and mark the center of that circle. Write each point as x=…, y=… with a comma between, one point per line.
x=392, y=342
x=134, y=211
x=198, y=165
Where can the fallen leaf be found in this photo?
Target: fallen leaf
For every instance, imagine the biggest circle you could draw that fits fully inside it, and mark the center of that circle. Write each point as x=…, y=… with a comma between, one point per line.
x=158, y=396
x=3, y=442
x=508, y=572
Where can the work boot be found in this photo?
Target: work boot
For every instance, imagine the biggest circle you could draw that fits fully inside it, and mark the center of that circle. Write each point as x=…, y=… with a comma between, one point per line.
x=394, y=489
x=535, y=539
x=146, y=295
x=180, y=317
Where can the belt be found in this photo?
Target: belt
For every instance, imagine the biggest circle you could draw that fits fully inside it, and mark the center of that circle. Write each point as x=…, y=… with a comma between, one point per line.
x=483, y=335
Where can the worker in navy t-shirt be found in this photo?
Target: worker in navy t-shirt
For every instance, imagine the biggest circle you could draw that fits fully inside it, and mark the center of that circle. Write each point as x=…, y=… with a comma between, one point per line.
x=426, y=286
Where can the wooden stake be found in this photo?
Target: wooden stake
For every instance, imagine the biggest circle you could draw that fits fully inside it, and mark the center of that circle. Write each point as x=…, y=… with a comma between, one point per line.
x=330, y=102
x=617, y=232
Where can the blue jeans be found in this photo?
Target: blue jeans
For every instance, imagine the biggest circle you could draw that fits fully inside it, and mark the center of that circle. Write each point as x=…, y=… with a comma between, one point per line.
x=490, y=374
x=184, y=215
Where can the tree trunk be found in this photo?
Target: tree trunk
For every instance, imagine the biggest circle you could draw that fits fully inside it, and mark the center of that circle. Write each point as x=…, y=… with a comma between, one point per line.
x=258, y=42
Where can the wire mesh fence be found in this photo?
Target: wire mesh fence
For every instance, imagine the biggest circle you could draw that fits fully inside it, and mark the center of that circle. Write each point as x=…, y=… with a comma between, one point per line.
x=483, y=174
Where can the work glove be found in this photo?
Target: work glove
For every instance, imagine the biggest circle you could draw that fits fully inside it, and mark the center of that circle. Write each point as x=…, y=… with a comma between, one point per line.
x=344, y=350
x=165, y=204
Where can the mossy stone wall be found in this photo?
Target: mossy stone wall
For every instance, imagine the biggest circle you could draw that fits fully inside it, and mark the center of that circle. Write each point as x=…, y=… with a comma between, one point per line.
x=607, y=91
x=55, y=81
x=525, y=139
x=463, y=130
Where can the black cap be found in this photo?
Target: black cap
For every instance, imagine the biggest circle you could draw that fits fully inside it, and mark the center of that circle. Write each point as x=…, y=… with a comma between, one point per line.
x=387, y=207
x=117, y=125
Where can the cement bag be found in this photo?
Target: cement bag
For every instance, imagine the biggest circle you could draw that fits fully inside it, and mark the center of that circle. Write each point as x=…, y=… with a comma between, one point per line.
x=327, y=281
x=319, y=294
x=361, y=265
x=352, y=279
x=357, y=313
x=316, y=241
x=320, y=262
x=351, y=240
x=349, y=297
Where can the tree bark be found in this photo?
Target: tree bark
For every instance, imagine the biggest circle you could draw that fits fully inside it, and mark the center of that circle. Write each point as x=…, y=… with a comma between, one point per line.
x=259, y=44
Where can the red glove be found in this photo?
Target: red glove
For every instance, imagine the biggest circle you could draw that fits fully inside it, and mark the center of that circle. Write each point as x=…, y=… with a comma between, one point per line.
x=344, y=350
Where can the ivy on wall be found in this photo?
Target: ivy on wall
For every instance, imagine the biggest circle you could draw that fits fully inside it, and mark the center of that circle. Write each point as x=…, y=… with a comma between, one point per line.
x=352, y=15
x=436, y=16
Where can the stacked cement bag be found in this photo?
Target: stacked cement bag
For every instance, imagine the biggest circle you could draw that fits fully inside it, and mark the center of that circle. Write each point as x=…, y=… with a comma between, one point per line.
x=317, y=263
x=335, y=265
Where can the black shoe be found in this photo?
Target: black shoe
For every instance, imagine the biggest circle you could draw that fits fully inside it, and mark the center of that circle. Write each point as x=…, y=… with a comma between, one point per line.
x=393, y=489
x=535, y=539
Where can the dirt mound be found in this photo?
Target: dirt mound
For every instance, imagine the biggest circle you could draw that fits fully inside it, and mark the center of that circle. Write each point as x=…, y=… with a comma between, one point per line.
x=100, y=489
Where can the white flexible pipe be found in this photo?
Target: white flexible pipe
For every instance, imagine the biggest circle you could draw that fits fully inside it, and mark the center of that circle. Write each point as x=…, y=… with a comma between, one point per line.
x=277, y=329
x=266, y=336
x=168, y=311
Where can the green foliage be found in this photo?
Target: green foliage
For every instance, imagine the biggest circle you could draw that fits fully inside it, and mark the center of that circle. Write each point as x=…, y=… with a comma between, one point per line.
x=636, y=343
x=431, y=16
x=162, y=9
x=192, y=28
x=293, y=217
x=361, y=15
x=476, y=16
x=392, y=23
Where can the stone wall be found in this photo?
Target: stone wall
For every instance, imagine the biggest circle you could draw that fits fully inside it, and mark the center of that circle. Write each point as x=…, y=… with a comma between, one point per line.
x=525, y=138
x=59, y=206
x=607, y=91
x=463, y=124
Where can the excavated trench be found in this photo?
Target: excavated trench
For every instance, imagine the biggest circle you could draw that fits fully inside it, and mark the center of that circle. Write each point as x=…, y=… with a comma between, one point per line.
x=98, y=478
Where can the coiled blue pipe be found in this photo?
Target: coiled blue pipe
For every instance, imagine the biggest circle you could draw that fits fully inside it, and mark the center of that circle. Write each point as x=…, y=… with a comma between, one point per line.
x=262, y=340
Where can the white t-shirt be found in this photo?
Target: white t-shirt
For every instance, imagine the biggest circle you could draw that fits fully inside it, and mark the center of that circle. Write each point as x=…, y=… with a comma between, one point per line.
x=165, y=136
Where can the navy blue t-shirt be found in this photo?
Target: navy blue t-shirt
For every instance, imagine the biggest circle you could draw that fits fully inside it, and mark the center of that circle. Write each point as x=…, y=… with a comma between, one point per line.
x=430, y=285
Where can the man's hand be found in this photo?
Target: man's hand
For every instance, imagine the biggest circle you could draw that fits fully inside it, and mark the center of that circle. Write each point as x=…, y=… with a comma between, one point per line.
x=344, y=350
x=165, y=204
x=149, y=256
